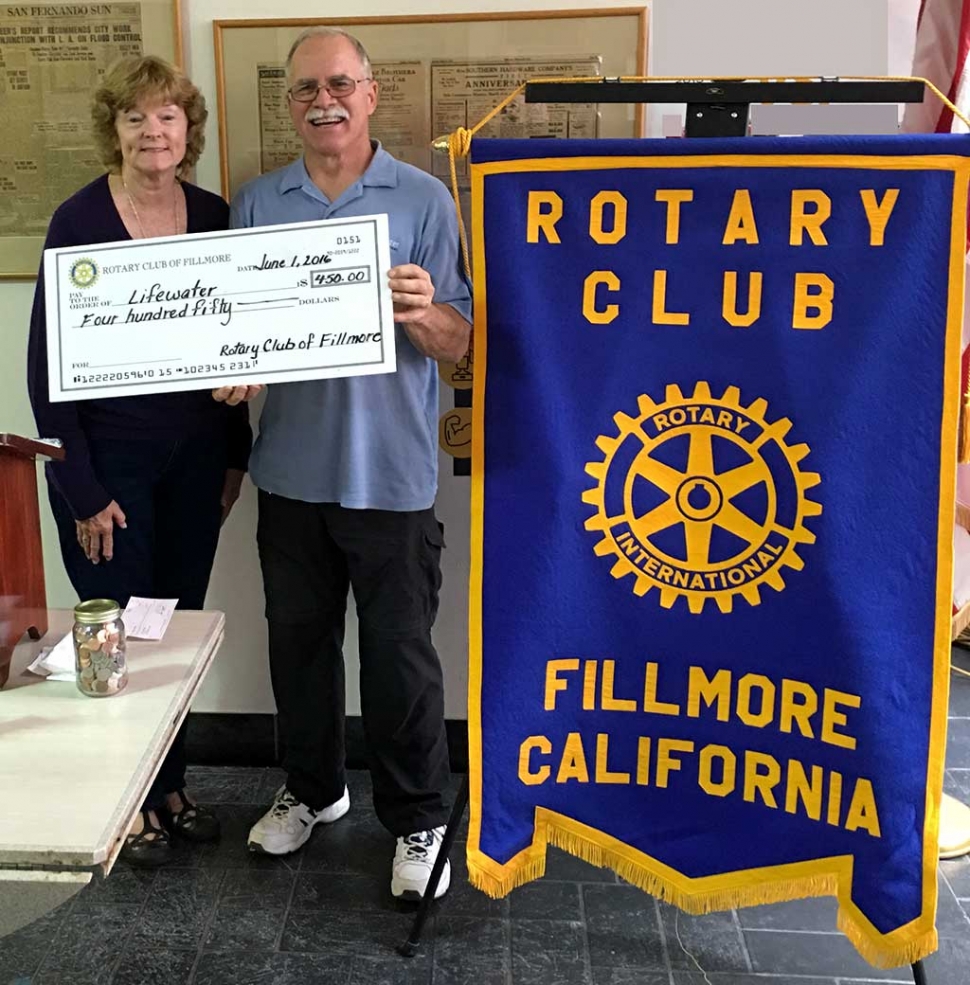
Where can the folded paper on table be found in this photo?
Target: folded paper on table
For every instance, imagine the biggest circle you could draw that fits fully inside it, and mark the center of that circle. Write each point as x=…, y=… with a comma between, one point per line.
x=56, y=663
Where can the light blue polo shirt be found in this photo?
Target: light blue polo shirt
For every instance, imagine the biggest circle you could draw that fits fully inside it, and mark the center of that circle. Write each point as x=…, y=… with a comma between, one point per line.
x=366, y=442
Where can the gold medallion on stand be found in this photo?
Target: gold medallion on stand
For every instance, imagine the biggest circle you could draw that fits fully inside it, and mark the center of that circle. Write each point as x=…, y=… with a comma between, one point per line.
x=459, y=375
x=455, y=432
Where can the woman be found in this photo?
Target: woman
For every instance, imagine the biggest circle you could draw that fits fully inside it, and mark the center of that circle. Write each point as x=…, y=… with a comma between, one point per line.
x=147, y=480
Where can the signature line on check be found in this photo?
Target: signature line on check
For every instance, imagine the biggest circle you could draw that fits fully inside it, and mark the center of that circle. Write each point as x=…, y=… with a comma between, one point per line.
x=136, y=362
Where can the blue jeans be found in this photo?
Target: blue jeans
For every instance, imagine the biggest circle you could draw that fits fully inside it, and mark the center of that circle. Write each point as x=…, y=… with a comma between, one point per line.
x=170, y=492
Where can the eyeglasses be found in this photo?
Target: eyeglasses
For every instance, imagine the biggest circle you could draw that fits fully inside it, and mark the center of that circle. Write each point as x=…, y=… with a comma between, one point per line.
x=339, y=87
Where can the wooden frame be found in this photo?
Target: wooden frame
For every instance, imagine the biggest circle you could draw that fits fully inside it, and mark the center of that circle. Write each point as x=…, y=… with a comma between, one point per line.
x=160, y=29
x=444, y=45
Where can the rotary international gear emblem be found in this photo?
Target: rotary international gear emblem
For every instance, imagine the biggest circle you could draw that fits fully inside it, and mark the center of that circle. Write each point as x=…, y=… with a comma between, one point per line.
x=701, y=497
x=84, y=272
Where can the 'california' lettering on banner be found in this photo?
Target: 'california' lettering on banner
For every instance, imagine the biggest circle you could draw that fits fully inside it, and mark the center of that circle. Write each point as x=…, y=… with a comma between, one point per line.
x=715, y=405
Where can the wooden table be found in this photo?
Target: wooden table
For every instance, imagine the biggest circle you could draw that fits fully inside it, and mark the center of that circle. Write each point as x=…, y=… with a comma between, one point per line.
x=75, y=769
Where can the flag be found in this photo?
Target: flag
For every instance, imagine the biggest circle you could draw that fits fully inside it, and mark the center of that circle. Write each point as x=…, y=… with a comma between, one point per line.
x=716, y=397
x=941, y=50
x=942, y=47
x=940, y=56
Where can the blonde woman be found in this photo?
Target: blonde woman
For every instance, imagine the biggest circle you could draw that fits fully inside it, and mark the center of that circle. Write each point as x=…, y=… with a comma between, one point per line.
x=147, y=480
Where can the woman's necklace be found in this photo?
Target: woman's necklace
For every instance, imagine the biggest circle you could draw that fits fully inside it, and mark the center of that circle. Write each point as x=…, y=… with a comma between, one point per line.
x=134, y=211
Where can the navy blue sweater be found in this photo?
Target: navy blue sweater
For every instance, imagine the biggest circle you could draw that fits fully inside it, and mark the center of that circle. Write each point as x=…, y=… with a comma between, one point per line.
x=86, y=218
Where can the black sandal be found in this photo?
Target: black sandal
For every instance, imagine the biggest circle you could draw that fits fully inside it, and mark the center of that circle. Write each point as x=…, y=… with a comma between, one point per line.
x=150, y=848
x=193, y=822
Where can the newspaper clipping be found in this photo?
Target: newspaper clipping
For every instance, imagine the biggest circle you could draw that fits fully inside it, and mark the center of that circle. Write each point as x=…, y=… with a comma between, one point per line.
x=51, y=60
x=463, y=91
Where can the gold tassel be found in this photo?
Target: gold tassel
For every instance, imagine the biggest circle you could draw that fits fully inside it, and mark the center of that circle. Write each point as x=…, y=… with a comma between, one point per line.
x=902, y=953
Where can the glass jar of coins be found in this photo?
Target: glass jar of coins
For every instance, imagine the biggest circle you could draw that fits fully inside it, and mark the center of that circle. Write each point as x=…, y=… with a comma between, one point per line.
x=99, y=648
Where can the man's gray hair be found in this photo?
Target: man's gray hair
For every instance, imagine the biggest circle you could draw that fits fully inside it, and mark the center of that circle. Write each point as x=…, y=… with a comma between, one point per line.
x=322, y=31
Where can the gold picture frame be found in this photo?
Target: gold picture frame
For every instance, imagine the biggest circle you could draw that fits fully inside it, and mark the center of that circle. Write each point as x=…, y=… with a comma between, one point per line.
x=45, y=92
x=436, y=71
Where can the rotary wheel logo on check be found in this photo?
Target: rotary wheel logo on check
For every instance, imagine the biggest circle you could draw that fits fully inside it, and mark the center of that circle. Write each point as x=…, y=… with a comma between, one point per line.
x=701, y=497
x=83, y=272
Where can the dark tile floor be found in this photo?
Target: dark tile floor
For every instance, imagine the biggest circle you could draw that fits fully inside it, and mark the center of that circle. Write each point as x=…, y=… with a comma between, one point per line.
x=325, y=917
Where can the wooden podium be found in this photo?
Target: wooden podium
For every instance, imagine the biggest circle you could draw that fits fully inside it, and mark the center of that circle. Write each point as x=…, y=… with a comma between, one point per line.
x=23, y=594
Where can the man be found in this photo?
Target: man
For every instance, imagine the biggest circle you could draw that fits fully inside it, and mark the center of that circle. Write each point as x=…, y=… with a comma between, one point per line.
x=347, y=477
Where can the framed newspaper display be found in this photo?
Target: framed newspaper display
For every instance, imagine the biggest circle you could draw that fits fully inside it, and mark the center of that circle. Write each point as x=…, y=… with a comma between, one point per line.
x=435, y=73
x=52, y=58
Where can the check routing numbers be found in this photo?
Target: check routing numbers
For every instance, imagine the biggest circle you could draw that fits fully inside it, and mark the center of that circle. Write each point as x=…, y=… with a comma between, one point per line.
x=812, y=293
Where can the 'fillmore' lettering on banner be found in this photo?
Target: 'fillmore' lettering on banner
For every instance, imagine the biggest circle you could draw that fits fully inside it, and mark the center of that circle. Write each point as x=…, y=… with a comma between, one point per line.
x=753, y=700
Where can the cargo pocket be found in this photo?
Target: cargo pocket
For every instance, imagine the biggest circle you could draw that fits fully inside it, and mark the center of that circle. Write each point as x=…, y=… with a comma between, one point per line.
x=433, y=544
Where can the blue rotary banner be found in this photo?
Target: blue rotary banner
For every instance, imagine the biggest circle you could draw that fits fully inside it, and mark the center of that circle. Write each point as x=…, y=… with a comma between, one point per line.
x=715, y=406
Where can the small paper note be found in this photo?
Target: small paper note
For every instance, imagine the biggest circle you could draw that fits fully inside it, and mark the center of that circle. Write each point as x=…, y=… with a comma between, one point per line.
x=147, y=619
x=56, y=663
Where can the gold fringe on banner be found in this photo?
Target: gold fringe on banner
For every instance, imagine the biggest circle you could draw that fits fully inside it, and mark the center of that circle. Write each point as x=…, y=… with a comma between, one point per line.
x=902, y=947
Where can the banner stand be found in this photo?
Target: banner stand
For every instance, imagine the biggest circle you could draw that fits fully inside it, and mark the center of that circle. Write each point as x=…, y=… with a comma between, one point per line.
x=715, y=108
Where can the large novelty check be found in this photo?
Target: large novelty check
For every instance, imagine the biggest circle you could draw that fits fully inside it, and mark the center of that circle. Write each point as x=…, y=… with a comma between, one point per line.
x=301, y=301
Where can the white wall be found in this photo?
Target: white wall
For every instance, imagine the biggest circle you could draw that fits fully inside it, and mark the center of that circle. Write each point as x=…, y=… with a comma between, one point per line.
x=687, y=37
x=901, y=35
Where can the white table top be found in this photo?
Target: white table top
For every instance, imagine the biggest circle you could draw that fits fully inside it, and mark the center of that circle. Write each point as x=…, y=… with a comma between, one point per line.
x=74, y=769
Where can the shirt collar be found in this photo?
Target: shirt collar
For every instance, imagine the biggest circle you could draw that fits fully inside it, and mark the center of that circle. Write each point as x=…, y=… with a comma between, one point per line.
x=381, y=172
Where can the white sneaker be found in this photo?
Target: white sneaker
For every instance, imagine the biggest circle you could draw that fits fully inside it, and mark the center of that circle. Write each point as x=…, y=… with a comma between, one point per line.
x=414, y=859
x=288, y=824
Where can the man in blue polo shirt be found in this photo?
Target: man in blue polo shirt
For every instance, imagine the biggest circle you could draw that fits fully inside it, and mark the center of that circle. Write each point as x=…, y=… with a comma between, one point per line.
x=347, y=477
